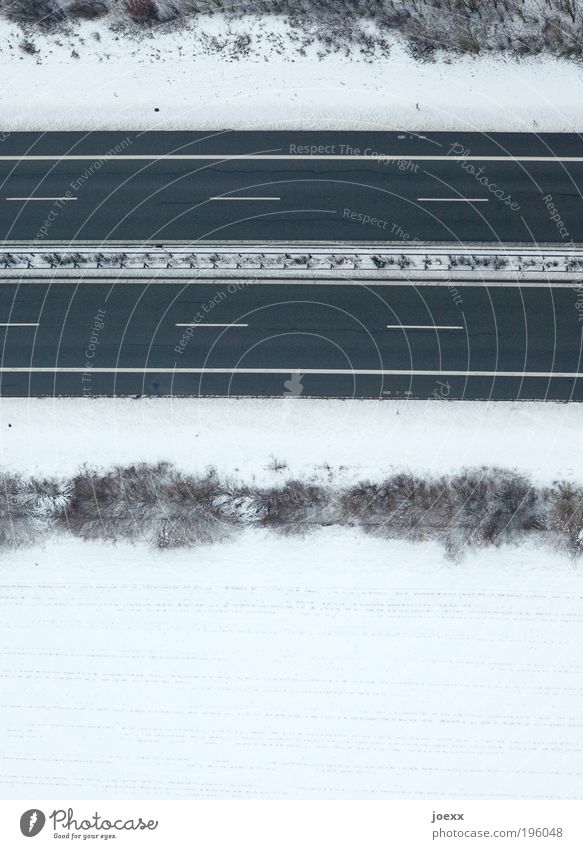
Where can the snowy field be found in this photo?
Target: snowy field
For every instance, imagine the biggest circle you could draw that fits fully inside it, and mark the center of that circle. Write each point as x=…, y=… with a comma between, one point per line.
x=198, y=77
x=330, y=666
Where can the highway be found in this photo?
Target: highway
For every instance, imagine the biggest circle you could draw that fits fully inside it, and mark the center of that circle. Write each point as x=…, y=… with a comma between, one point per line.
x=329, y=186
x=289, y=340
x=86, y=336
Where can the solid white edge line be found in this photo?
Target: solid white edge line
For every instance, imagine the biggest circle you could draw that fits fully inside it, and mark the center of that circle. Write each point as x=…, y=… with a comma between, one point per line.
x=370, y=372
x=19, y=323
x=211, y=157
x=18, y=278
x=200, y=324
x=424, y=327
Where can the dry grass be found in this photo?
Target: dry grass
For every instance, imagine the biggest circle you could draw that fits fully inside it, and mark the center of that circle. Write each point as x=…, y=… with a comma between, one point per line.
x=515, y=27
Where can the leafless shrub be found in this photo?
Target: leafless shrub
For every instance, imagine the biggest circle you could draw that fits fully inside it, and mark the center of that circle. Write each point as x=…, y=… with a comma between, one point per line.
x=276, y=465
x=145, y=502
x=86, y=9
x=402, y=506
x=495, y=506
x=161, y=505
x=44, y=13
x=565, y=513
x=27, y=509
x=142, y=11
x=481, y=507
x=297, y=507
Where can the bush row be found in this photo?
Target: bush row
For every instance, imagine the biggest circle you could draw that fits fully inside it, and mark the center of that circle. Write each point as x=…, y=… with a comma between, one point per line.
x=169, y=509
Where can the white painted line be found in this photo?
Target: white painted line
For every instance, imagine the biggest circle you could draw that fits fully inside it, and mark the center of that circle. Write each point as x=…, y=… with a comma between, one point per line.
x=18, y=323
x=424, y=327
x=226, y=157
x=43, y=199
x=289, y=370
x=220, y=197
x=454, y=200
x=12, y=276
x=198, y=324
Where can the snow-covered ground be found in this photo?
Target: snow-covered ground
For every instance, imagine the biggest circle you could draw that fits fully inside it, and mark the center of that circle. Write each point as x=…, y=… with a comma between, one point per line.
x=335, y=666
x=242, y=438
x=330, y=667
x=197, y=77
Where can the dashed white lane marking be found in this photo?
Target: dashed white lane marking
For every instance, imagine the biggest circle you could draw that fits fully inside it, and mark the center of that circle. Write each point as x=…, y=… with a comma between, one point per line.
x=63, y=199
x=290, y=370
x=242, y=197
x=453, y=200
x=424, y=327
x=199, y=324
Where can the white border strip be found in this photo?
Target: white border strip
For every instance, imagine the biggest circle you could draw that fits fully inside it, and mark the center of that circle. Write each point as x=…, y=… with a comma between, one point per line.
x=215, y=157
x=292, y=370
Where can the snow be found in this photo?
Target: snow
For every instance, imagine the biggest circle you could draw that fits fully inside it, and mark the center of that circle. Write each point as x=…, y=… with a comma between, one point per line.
x=162, y=78
x=334, y=666
x=316, y=264
x=242, y=438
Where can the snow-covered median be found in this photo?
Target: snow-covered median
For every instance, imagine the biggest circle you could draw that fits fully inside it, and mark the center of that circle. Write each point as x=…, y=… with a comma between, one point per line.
x=296, y=261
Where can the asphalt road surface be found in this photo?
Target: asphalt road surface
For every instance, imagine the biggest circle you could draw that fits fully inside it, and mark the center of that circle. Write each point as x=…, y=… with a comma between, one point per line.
x=292, y=340
x=291, y=186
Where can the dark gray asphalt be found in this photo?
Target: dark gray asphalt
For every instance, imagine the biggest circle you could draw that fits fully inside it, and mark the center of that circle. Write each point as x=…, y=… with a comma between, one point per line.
x=91, y=338
x=325, y=199
x=508, y=332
